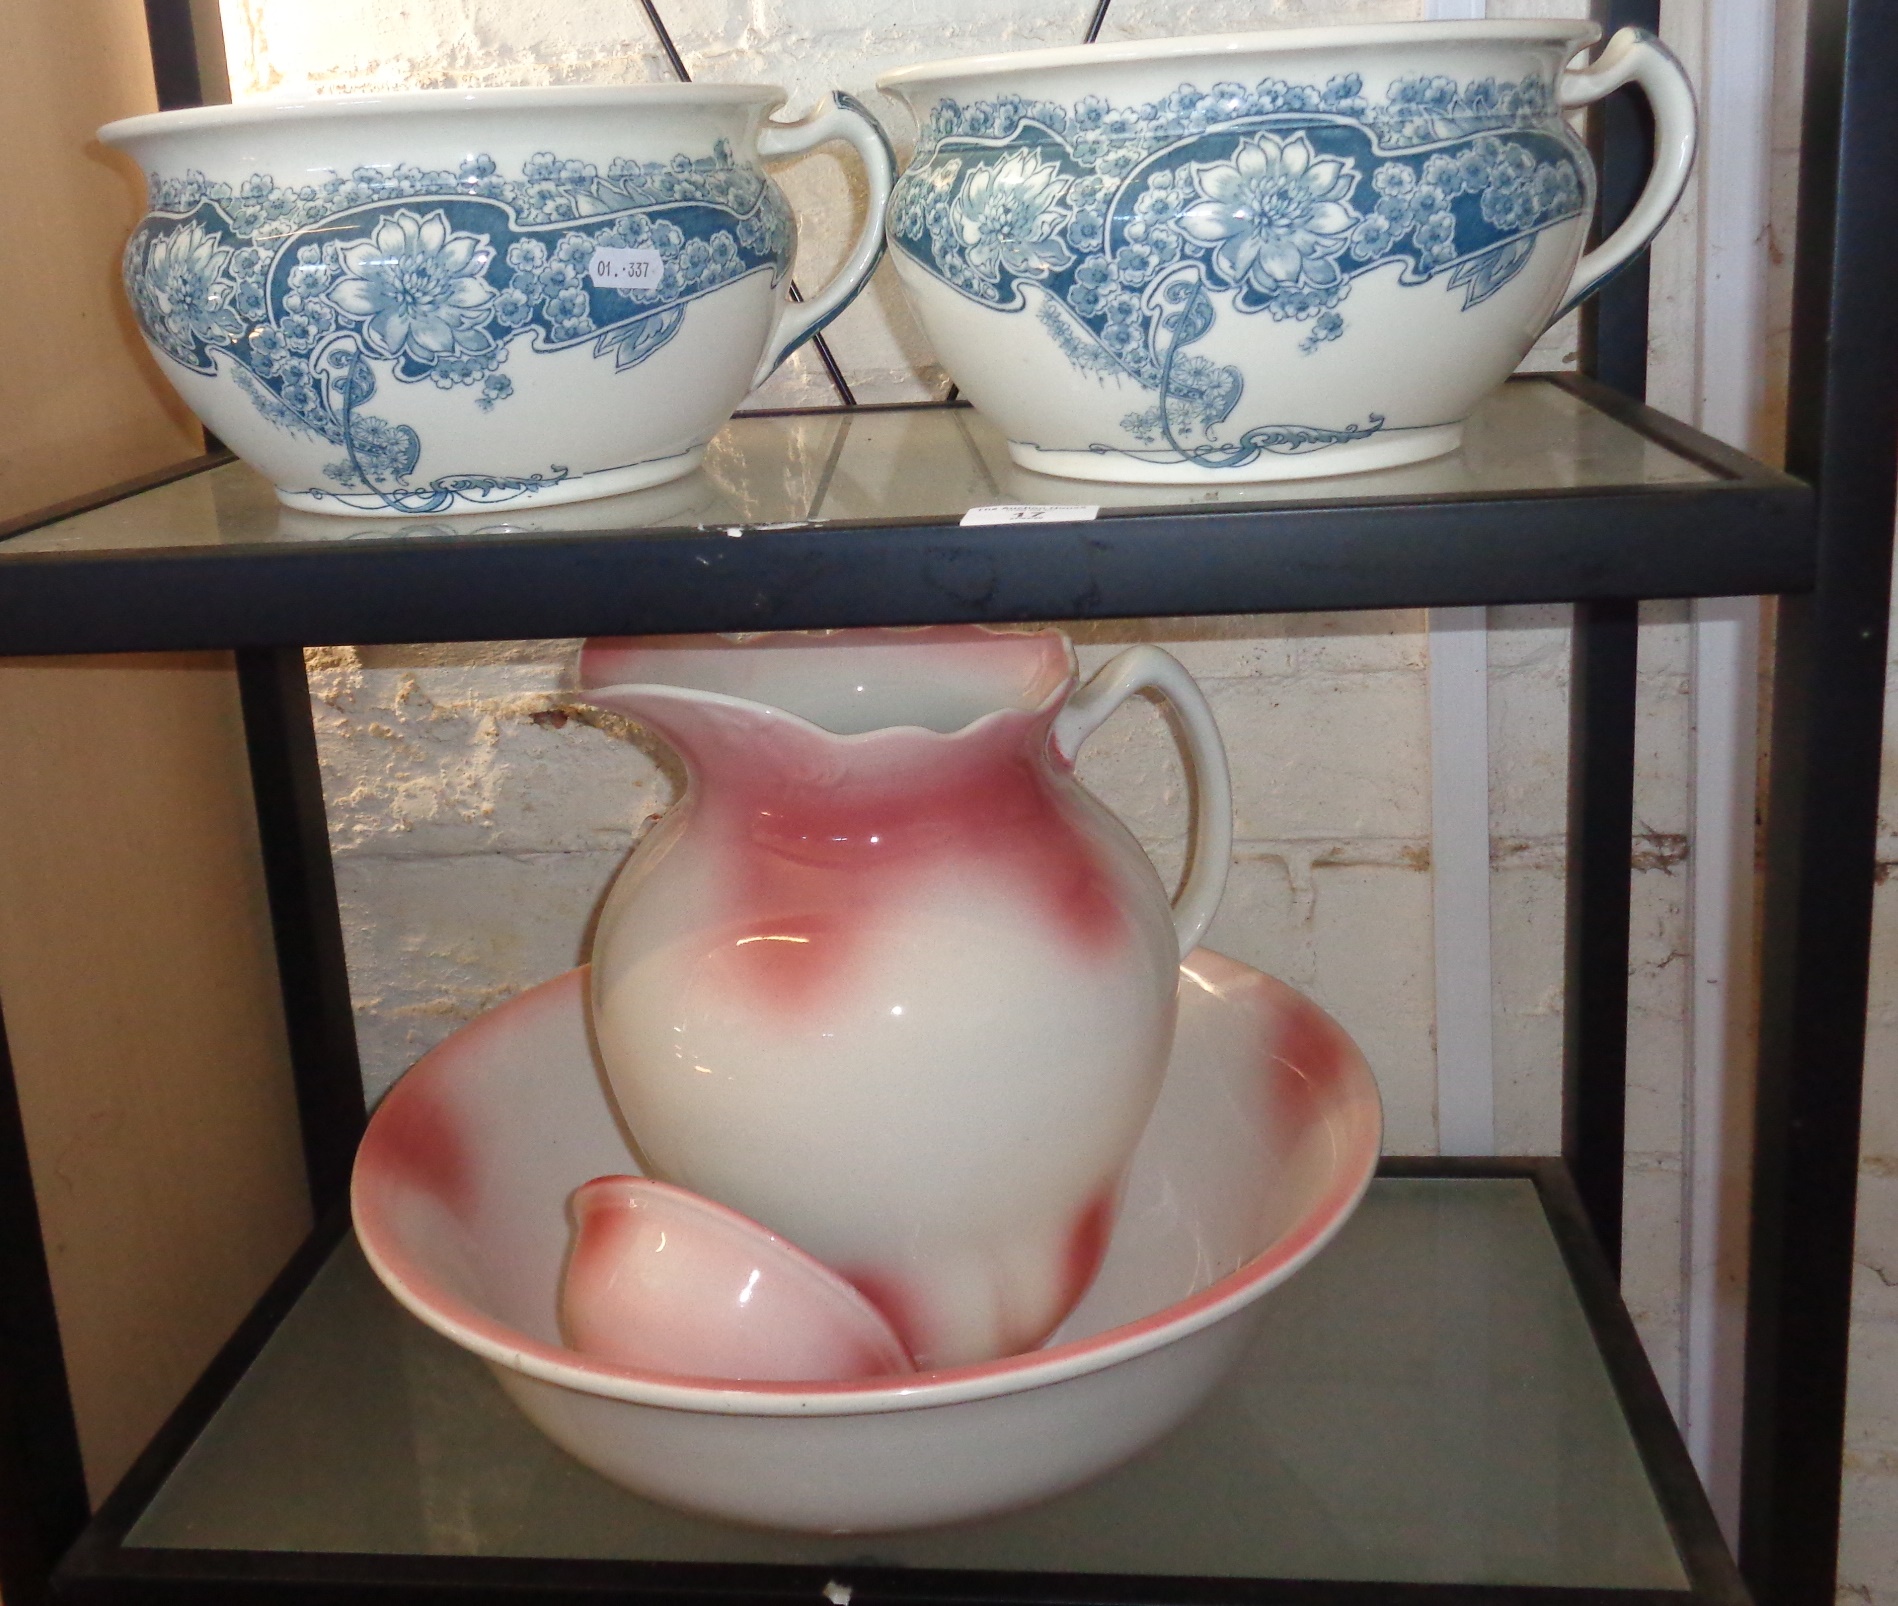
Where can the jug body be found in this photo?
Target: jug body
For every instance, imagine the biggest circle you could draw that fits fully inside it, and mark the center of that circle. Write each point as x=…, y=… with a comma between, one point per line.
x=887, y=979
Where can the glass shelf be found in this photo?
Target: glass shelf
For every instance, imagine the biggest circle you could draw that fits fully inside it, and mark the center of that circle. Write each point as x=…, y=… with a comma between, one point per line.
x=870, y=467
x=1562, y=490
x=1426, y=1402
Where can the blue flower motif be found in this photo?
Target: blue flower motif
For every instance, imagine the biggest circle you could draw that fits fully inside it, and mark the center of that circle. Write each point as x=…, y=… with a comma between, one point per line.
x=512, y=308
x=1087, y=229
x=1373, y=237
x=1159, y=202
x=249, y=262
x=1344, y=94
x=558, y=278
x=1483, y=98
x=302, y=330
x=1473, y=166
x=420, y=287
x=1227, y=101
x=310, y=278
x=267, y=348
x=1135, y=264
x=1442, y=173
x=569, y=315
x=300, y=395
x=1394, y=180
x=1274, y=214
x=1436, y=236
x=182, y=292
x=1006, y=217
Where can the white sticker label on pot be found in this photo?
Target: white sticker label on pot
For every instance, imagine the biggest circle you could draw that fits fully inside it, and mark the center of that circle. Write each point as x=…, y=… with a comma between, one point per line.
x=1028, y=513
x=627, y=267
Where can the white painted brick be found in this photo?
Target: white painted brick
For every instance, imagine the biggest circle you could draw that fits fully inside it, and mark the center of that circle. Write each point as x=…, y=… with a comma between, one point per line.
x=1663, y=726
x=1657, y=1004
x=1528, y=740
x=1371, y=968
x=1872, y=1387
x=1528, y=635
x=282, y=45
x=1251, y=646
x=1367, y=775
x=433, y=942
x=1264, y=919
x=1650, y=1260
x=1526, y=924
x=1879, y=1134
x=1876, y=1250
x=1868, y=1560
x=422, y=760
x=1363, y=643
x=1133, y=764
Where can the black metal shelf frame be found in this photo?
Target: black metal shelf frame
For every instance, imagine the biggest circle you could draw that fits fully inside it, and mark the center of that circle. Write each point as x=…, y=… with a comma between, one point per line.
x=1822, y=542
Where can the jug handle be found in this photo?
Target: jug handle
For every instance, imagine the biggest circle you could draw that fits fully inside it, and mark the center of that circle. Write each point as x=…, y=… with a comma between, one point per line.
x=1140, y=669
x=1635, y=55
x=841, y=117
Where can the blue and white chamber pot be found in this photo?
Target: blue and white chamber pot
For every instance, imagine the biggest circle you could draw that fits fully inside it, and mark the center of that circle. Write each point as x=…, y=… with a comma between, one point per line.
x=1262, y=256
x=451, y=300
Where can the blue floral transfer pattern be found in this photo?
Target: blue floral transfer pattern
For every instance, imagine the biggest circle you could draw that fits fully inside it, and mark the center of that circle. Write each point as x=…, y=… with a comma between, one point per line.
x=1277, y=196
x=314, y=295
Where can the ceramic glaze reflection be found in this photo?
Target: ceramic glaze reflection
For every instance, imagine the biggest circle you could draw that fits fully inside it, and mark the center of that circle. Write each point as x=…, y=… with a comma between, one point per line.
x=888, y=980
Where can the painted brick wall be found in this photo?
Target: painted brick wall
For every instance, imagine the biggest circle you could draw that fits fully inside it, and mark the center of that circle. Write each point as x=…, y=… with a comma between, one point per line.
x=1868, y=1554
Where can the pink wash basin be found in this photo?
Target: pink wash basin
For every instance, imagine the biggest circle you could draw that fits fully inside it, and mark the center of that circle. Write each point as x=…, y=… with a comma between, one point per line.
x=1264, y=1139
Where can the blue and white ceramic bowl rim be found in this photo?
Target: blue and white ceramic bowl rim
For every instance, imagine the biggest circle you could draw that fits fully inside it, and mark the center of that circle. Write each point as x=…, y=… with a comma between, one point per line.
x=266, y=111
x=1573, y=31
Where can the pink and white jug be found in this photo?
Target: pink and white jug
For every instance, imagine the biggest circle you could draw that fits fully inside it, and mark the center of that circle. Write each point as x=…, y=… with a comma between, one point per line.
x=887, y=979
